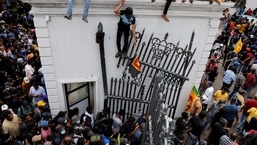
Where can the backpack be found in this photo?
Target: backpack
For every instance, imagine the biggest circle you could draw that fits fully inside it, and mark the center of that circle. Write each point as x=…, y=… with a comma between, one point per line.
x=83, y=117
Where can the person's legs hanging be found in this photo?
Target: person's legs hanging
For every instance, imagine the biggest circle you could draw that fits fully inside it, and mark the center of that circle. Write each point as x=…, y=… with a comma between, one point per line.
x=86, y=8
x=69, y=10
x=126, y=38
x=118, y=39
x=165, y=11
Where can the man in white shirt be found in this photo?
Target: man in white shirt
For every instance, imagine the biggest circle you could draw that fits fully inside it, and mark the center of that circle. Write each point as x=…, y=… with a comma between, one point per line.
x=36, y=92
x=206, y=98
x=117, y=123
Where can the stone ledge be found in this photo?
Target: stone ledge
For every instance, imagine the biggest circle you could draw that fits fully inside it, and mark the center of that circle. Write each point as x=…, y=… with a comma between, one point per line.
x=142, y=7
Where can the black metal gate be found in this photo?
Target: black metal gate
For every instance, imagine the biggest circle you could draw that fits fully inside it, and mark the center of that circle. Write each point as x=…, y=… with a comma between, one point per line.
x=134, y=94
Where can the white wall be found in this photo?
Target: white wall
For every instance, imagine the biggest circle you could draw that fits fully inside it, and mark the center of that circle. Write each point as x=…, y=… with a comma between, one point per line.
x=69, y=52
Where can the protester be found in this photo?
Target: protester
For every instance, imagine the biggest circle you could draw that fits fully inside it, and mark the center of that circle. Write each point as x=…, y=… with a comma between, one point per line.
x=127, y=19
x=70, y=6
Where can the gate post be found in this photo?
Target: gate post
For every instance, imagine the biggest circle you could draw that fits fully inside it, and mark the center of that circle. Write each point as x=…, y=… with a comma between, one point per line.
x=159, y=127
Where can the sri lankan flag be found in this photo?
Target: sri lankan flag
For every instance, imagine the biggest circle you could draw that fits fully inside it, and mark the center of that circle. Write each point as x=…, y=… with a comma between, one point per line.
x=135, y=66
x=238, y=46
x=118, y=140
x=191, y=99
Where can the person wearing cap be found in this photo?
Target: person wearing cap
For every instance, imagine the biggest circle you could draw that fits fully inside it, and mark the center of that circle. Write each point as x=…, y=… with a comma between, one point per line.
x=40, y=107
x=25, y=86
x=70, y=6
x=221, y=94
x=127, y=19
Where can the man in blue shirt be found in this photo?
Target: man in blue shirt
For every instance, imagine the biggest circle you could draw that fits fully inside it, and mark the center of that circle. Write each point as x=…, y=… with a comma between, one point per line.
x=229, y=77
x=232, y=112
x=126, y=19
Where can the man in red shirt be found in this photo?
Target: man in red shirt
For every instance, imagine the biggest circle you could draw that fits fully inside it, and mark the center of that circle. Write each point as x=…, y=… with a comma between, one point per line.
x=248, y=104
x=250, y=80
x=248, y=58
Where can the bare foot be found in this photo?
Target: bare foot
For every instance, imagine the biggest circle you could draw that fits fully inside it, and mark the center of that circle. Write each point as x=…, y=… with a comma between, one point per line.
x=165, y=18
x=210, y=2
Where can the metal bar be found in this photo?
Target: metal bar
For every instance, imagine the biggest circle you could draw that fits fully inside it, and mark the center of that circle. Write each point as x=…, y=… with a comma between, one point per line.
x=100, y=39
x=130, y=98
x=193, y=62
x=183, y=66
x=111, y=93
x=134, y=97
x=173, y=53
x=176, y=100
x=147, y=46
x=114, y=100
x=175, y=61
x=126, y=96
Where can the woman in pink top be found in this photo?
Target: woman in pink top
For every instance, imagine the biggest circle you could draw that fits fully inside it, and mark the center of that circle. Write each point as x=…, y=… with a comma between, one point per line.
x=46, y=131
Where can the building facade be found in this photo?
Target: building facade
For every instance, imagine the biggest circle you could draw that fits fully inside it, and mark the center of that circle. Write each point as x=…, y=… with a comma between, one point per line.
x=71, y=57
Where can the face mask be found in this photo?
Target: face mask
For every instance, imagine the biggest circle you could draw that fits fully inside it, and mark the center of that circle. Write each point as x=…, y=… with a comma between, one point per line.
x=63, y=132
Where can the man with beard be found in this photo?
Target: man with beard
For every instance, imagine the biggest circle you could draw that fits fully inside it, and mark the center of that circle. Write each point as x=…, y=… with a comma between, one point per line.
x=11, y=124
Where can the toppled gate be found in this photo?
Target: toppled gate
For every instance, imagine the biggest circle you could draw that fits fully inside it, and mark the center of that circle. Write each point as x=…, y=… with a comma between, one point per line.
x=138, y=95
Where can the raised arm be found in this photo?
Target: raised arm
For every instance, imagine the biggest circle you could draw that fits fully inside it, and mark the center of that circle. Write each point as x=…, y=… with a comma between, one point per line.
x=117, y=9
x=134, y=34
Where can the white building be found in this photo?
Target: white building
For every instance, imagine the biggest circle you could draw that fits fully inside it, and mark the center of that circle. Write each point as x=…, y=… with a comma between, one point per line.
x=71, y=56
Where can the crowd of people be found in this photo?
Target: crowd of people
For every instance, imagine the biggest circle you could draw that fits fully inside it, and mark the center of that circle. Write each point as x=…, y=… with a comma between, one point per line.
x=26, y=118
x=228, y=115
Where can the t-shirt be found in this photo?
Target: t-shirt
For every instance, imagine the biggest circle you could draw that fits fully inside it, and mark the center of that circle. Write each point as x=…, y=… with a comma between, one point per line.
x=250, y=80
x=229, y=77
x=12, y=127
x=252, y=113
x=209, y=93
x=124, y=21
x=37, y=92
x=180, y=126
x=219, y=96
x=117, y=123
x=197, y=125
x=232, y=111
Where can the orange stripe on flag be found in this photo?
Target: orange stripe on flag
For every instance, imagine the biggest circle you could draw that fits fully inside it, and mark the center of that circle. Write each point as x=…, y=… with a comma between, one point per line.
x=136, y=64
x=191, y=99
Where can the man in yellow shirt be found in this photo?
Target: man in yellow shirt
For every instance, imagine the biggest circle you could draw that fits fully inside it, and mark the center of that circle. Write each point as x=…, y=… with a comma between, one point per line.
x=11, y=124
x=221, y=94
